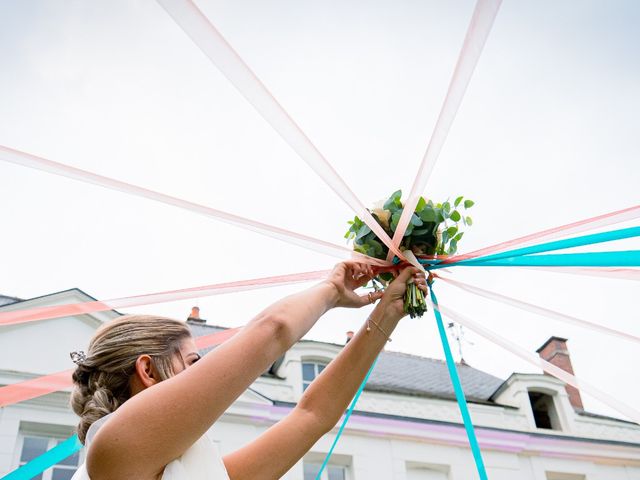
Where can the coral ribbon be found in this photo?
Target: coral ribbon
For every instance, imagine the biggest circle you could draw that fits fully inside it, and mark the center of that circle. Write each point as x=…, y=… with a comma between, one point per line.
x=530, y=307
x=208, y=39
x=599, y=221
x=483, y=17
x=36, y=387
x=32, y=161
x=57, y=311
x=610, y=236
x=616, y=273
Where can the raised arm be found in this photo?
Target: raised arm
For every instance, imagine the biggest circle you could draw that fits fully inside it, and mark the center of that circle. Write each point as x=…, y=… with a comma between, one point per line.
x=325, y=400
x=160, y=423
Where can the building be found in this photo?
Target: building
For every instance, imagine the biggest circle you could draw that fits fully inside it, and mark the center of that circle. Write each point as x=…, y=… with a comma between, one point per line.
x=406, y=426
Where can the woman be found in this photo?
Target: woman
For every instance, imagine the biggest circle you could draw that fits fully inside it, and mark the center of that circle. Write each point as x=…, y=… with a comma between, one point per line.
x=133, y=431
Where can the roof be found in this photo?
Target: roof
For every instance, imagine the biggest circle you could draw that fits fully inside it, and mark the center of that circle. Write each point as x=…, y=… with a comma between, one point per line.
x=200, y=330
x=19, y=300
x=406, y=374
x=584, y=413
x=8, y=300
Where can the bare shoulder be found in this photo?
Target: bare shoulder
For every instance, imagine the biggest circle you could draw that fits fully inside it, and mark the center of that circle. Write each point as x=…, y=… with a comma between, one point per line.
x=106, y=460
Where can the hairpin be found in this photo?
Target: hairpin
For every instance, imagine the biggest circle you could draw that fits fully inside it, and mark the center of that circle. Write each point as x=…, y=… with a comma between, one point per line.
x=78, y=357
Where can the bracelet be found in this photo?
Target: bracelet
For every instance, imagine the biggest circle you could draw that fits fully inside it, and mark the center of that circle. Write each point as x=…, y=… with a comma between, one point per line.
x=369, y=321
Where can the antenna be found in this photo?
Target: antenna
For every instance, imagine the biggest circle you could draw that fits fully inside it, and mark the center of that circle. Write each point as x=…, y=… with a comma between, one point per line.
x=457, y=332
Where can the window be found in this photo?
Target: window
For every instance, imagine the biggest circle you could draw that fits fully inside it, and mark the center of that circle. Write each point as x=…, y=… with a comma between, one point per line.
x=418, y=471
x=35, y=445
x=544, y=411
x=331, y=472
x=310, y=370
x=564, y=476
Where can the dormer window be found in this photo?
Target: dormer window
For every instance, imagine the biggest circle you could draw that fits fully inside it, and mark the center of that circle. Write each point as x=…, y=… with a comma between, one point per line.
x=544, y=410
x=310, y=370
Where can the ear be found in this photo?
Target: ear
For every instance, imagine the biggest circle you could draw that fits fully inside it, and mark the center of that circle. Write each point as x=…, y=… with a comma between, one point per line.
x=146, y=373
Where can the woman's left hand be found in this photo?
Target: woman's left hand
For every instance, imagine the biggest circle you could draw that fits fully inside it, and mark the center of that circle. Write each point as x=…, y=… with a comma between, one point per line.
x=347, y=277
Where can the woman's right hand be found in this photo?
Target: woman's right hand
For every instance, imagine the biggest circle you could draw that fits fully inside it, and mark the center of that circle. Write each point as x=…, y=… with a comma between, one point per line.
x=393, y=299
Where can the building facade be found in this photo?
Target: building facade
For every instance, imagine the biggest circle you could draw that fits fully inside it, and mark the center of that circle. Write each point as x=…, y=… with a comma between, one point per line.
x=406, y=426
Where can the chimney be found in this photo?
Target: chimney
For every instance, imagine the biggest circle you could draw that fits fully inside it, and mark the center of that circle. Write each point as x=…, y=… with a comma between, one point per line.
x=194, y=317
x=555, y=351
x=349, y=336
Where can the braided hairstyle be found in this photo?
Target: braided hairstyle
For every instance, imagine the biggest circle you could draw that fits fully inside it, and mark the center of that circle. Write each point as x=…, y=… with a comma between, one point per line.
x=101, y=381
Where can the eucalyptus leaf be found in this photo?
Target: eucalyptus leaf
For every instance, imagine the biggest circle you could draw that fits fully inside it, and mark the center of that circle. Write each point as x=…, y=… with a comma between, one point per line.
x=451, y=231
x=415, y=220
x=378, y=249
x=395, y=218
x=458, y=200
x=453, y=247
x=469, y=221
x=468, y=203
x=393, y=202
x=360, y=249
x=364, y=230
x=458, y=236
x=428, y=214
x=455, y=216
x=408, y=231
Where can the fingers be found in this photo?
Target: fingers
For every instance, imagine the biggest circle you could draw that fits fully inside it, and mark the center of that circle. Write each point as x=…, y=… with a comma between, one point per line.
x=407, y=274
x=360, y=272
x=412, y=274
x=421, y=281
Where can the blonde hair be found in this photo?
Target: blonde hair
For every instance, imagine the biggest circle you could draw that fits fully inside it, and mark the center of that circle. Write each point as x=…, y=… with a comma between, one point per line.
x=101, y=381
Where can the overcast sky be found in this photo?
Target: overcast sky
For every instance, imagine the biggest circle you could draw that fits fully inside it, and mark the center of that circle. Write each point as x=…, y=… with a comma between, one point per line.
x=548, y=134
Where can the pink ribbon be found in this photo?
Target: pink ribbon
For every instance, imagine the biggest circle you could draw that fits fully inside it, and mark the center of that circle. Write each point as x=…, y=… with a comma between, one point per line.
x=207, y=37
x=617, y=273
x=599, y=221
x=57, y=311
x=483, y=17
x=551, y=369
x=529, y=307
x=36, y=387
x=27, y=160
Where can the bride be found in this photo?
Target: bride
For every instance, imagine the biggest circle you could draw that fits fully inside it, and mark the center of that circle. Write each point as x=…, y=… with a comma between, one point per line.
x=145, y=397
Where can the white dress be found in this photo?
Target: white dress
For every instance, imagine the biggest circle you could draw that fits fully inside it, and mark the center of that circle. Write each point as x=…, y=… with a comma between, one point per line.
x=202, y=461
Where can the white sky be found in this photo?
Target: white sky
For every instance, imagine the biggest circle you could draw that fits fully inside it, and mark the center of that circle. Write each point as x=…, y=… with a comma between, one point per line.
x=547, y=134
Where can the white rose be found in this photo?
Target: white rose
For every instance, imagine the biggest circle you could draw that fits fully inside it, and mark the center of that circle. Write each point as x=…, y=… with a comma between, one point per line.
x=383, y=215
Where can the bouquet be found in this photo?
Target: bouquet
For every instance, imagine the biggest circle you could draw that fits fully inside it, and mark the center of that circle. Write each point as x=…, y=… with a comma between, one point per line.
x=435, y=229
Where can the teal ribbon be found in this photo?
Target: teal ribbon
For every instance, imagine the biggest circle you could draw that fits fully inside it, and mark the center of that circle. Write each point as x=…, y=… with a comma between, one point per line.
x=346, y=419
x=625, y=258
x=457, y=387
x=583, y=240
x=48, y=459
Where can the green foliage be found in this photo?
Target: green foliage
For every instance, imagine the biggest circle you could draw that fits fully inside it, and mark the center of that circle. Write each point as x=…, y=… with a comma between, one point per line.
x=434, y=228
